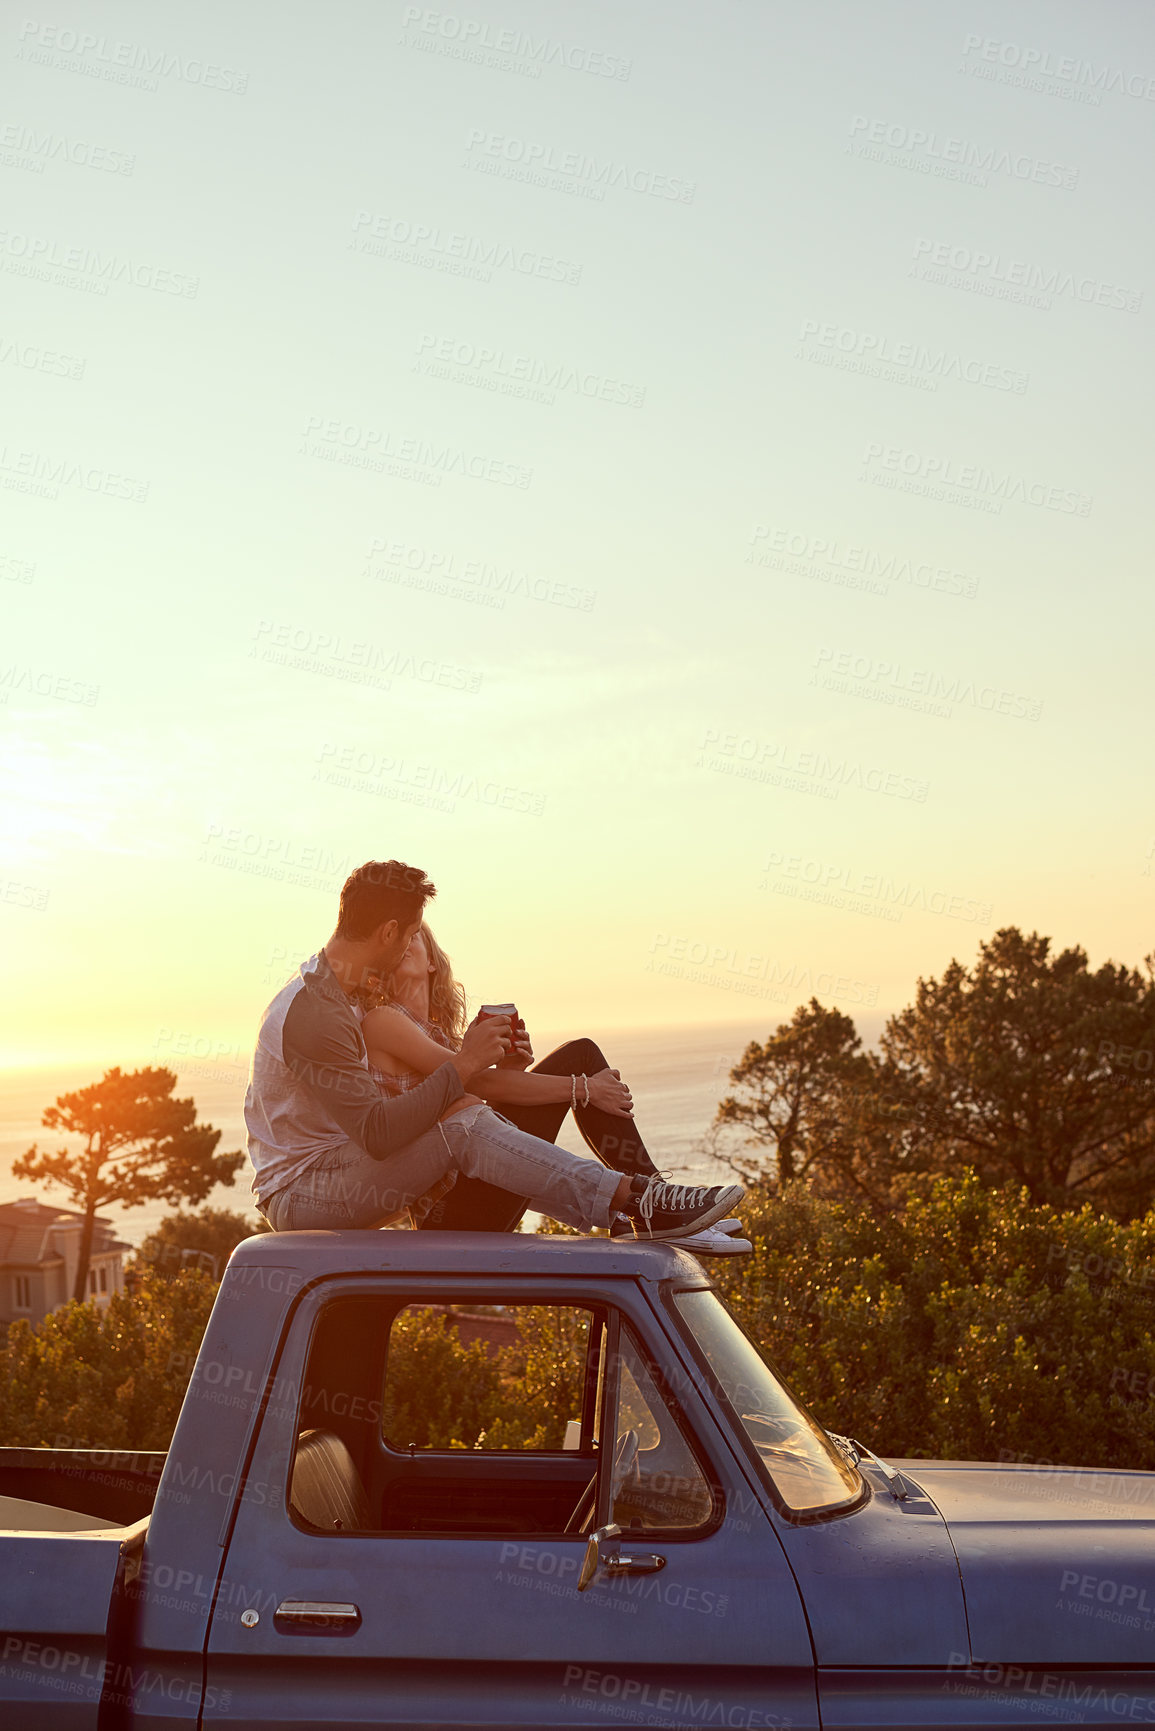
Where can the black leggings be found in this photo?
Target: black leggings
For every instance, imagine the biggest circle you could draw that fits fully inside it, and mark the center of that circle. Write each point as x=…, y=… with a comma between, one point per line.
x=473, y=1206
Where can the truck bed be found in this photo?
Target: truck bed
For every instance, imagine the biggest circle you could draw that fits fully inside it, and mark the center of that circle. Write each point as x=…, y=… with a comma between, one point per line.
x=21, y=1515
x=112, y=1487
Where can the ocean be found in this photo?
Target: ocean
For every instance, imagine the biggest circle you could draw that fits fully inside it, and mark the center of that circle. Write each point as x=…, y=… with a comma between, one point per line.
x=676, y=1075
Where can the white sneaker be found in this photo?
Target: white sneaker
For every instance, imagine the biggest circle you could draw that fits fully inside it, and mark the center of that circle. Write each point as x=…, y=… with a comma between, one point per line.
x=715, y=1242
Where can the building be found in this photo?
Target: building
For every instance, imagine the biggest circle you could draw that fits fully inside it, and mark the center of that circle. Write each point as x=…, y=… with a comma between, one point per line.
x=496, y=1333
x=39, y=1248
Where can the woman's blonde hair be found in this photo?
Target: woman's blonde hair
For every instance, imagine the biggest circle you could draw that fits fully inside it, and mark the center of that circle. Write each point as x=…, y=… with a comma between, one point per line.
x=446, y=995
x=447, y=1009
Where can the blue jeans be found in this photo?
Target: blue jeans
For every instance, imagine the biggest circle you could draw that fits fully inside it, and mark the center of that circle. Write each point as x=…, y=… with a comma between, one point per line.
x=347, y=1188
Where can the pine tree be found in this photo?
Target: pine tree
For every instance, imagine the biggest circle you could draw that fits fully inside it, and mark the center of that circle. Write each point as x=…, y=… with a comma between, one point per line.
x=139, y=1145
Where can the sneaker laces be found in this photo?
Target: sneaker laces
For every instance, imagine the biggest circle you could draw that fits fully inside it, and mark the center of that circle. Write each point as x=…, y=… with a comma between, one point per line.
x=671, y=1198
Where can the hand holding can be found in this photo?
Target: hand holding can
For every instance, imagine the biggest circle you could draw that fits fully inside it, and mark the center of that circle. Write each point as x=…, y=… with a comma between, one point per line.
x=520, y=1054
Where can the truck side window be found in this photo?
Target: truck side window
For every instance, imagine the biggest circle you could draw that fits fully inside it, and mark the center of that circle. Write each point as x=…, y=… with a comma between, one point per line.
x=486, y=1418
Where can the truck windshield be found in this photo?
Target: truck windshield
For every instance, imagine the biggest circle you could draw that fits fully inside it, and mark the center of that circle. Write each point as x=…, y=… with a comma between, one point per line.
x=808, y=1471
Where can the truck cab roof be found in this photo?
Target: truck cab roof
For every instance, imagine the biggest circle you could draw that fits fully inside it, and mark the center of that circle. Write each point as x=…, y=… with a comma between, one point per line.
x=372, y=1251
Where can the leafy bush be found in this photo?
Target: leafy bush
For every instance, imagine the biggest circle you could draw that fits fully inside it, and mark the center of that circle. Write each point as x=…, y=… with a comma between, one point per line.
x=973, y=1325
x=438, y=1393
x=543, y=1373
x=105, y=1379
x=204, y=1238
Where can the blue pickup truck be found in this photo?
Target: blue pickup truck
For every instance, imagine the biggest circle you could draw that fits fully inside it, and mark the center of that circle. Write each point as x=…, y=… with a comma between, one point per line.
x=661, y=1535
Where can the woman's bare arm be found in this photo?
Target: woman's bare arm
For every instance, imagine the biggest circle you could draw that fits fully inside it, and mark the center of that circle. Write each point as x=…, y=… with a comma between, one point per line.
x=523, y=1087
x=394, y=1042
x=531, y=1088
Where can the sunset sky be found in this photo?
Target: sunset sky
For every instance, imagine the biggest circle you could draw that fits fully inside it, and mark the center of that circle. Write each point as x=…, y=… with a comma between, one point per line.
x=679, y=474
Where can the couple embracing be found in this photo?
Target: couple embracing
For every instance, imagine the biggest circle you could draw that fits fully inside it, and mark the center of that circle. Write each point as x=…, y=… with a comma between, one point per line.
x=371, y=1099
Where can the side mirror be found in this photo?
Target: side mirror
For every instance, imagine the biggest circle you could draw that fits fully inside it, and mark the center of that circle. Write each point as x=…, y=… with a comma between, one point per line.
x=594, y=1560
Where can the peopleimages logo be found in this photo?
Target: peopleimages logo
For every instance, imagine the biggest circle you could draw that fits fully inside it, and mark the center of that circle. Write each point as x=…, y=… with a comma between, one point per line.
x=414, y=782
x=519, y=375
x=823, y=552
x=503, y=47
x=23, y=147
x=777, y=764
x=721, y=960
x=944, y=472
x=993, y=274
x=929, y=152
x=846, y=886
x=119, y=62
x=458, y=254
x=931, y=691
x=38, y=473
x=37, y=682
x=40, y=256
x=16, y=894
x=568, y=170
x=34, y=359
x=442, y=573
x=360, y=663
x=843, y=344
x=1040, y=62
x=382, y=451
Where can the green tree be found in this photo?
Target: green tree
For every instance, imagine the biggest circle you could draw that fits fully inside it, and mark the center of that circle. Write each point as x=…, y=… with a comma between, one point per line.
x=204, y=1239
x=107, y=1377
x=438, y=1393
x=442, y=1394
x=795, y=1095
x=1032, y=1069
x=138, y=1145
x=970, y=1324
x=543, y=1376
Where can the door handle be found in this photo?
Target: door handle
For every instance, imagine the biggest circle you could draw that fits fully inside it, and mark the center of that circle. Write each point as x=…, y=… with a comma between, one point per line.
x=316, y=1617
x=644, y=1565
x=603, y=1552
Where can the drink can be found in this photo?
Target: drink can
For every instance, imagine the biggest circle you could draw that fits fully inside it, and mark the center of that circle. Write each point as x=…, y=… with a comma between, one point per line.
x=488, y=1010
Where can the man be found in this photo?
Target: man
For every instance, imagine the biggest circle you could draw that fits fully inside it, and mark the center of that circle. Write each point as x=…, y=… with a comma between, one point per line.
x=330, y=1151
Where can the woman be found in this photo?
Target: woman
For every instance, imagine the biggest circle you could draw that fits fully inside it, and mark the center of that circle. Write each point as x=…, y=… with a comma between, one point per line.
x=423, y=1015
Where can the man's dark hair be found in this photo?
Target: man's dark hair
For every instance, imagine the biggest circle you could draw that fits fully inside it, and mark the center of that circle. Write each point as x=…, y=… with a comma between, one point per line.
x=382, y=890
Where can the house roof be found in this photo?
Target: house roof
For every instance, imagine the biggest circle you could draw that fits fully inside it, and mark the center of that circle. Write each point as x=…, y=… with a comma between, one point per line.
x=26, y=1208
x=26, y=1247
x=25, y=1227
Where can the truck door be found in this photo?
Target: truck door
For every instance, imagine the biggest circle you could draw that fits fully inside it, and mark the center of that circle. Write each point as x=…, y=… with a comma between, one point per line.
x=502, y=1504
